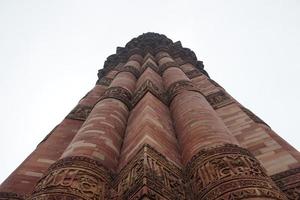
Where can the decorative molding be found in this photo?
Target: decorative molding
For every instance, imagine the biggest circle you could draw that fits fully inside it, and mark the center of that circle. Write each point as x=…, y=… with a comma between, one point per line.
x=252, y=116
x=119, y=93
x=74, y=178
x=80, y=112
x=150, y=65
x=177, y=87
x=167, y=65
x=130, y=69
x=104, y=81
x=150, y=43
x=219, y=99
x=193, y=73
x=148, y=86
x=229, y=172
x=289, y=182
x=11, y=196
x=149, y=174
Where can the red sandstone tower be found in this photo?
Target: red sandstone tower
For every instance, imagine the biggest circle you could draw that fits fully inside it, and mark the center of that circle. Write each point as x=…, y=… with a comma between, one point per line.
x=155, y=126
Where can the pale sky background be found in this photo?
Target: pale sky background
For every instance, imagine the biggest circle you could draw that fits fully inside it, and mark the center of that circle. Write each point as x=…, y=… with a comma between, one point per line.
x=50, y=52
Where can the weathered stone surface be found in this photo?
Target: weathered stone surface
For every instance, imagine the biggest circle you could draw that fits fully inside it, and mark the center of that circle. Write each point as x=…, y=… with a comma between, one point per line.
x=156, y=127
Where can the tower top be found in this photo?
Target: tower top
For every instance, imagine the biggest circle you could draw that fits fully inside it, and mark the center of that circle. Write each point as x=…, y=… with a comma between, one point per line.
x=152, y=43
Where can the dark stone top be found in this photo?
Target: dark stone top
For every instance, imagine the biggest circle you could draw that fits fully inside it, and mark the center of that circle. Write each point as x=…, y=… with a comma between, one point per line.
x=150, y=43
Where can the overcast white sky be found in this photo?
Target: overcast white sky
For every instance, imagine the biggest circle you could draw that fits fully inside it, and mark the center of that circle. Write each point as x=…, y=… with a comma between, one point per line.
x=50, y=52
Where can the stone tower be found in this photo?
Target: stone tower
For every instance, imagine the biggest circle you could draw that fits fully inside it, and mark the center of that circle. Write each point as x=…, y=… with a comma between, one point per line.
x=156, y=126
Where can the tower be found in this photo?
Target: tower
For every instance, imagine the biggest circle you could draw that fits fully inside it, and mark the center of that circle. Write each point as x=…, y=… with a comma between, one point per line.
x=156, y=126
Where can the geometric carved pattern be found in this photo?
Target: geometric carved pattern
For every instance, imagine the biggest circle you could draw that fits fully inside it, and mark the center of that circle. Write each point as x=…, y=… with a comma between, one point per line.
x=219, y=99
x=289, y=182
x=229, y=172
x=150, y=175
x=148, y=86
x=80, y=112
x=74, y=178
x=10, y=196
x=119, y=93
x=252, y=116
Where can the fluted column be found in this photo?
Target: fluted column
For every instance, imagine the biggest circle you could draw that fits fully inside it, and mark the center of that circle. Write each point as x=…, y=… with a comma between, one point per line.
x=216, y=167
x=23, y=180
x=84, y=170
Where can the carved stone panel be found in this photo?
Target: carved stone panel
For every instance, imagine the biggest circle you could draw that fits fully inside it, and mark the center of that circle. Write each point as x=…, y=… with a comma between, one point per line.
x=229, y=172
x=219, y=99
x=289, y=182
x=148, y=86
x=80, y=112
x=118, y=93
x=74, y=178
x=150, y=175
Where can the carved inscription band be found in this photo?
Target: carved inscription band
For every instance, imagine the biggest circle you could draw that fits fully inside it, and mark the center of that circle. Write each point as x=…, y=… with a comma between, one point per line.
x=118, y=93
x=150, y=175
x=229, y=172
x=74, y=178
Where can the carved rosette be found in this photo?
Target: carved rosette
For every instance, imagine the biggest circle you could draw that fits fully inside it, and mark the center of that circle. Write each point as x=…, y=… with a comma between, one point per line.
x=118, y=93
x=177, y=87
x=289, y=182
x=148, y=86
x=219, y=99
x=150, y=175
x=11, y=196
x=229, y=172
x=80, y=112
x=74, y=178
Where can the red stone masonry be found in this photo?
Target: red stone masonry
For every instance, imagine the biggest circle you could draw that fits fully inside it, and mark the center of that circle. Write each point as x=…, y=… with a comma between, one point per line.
x=156, y=126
